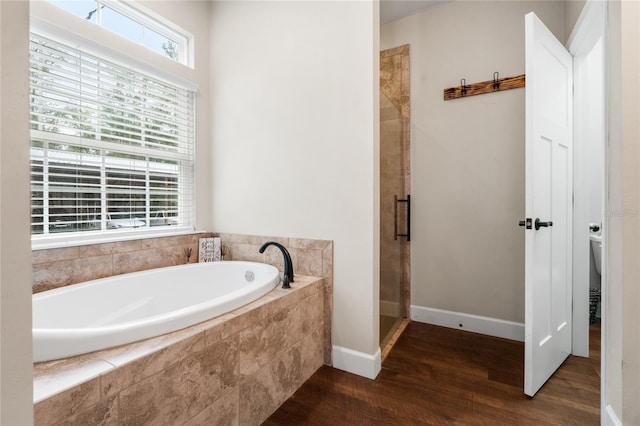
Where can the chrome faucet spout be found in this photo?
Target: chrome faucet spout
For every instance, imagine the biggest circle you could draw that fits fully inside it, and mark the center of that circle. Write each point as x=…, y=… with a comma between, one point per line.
x=288, y=264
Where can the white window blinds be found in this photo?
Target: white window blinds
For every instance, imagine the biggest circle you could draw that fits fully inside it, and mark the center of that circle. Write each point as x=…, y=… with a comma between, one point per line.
x=111, y=147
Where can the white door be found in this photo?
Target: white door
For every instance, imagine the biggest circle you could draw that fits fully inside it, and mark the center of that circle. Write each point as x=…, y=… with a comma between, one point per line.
x=548, y=204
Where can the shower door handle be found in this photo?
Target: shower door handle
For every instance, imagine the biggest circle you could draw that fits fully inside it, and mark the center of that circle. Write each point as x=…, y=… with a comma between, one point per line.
x=396, y=200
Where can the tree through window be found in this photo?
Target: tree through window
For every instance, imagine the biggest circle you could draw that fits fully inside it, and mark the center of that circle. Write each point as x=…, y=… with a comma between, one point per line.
x=111, y=147
x=129, y=22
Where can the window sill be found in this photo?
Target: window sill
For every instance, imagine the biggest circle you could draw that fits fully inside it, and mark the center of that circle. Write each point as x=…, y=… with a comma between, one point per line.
x=103, y=237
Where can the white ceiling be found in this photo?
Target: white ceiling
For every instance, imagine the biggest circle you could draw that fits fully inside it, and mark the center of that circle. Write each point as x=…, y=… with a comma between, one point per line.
x=390, y=10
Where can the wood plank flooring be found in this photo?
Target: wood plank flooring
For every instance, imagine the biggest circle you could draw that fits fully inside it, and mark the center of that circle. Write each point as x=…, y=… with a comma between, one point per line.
x=441, y=376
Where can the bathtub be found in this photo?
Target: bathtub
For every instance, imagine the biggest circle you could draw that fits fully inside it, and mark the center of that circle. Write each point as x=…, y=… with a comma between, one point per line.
x=112, y=311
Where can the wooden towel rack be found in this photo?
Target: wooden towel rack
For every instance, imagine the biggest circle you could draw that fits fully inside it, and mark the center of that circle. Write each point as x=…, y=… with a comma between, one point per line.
x=489, y=86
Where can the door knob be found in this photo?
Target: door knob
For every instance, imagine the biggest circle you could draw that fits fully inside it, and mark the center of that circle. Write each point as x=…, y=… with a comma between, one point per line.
x=539, y=224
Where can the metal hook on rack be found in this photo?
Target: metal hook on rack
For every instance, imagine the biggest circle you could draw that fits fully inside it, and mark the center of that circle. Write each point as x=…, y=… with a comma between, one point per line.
x=496, y=82
x=463, y=90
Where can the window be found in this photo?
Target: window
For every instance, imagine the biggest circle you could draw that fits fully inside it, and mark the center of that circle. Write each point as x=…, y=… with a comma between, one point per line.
x=111, y=148
x=132, y=23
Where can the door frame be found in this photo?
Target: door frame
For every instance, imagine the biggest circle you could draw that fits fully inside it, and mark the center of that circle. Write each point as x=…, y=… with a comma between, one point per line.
x=591, y=25
x=587, y=32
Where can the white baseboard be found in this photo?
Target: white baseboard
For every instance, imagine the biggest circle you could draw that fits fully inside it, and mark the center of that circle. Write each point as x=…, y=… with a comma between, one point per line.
x=609, y=417
x=477, y=324
x=390, y=309
x=355, y=362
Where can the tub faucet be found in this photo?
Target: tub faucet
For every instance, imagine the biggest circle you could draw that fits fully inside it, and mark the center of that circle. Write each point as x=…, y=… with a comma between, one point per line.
x=288, y=264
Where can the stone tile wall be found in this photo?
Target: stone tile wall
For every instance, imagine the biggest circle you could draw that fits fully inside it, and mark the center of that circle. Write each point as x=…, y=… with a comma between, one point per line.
x=59, y=267
x=310, y=257
x=234, y=369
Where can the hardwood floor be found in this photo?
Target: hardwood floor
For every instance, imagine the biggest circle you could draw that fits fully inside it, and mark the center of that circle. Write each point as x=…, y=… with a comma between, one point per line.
x=438, y=376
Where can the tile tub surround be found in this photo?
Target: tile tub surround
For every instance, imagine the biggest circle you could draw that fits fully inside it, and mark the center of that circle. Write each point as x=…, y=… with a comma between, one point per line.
x=234, y=369
x=53, y=268
x=310, y=257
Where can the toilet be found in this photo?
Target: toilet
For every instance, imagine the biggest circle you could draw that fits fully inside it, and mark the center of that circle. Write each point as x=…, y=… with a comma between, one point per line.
x=596, y=246
x=595, y=289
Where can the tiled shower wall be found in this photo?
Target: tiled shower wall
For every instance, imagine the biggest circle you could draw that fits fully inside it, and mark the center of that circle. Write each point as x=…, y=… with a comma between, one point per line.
x=59, y=267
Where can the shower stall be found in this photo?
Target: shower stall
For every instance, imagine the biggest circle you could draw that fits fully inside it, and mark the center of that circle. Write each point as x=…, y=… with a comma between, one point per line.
x=395, y=199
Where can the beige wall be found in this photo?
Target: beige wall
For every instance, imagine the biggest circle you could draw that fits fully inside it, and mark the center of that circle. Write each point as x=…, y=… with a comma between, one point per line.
x=294, y=92
x=468, y=155
x=572, y=11
x=622, y=249
x=15, y=246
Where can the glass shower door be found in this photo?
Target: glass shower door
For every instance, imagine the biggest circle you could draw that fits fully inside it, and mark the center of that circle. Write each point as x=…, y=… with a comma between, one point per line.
x=394, y=193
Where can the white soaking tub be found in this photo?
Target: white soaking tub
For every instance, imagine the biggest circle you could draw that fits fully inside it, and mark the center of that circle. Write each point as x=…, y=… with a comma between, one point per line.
x=112, y=311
